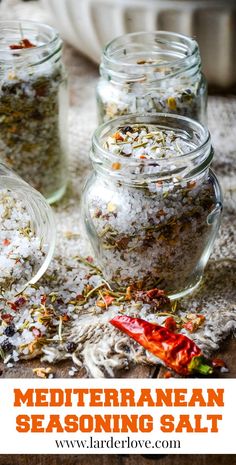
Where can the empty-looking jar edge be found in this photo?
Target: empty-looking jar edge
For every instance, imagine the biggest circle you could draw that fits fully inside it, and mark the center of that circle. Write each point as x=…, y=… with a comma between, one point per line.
x=41, y=216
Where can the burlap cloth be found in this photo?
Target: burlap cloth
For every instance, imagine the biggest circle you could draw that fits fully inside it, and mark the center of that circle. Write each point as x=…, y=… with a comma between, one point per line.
x=100, y=348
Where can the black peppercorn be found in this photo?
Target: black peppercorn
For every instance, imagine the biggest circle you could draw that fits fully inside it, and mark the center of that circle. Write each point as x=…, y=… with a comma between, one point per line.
x=10, y=331
x=126, y=129
x=71, y=346
x=6, y=346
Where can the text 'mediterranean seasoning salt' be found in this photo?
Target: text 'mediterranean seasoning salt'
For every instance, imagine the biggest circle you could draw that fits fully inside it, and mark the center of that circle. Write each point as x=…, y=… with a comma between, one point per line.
x=152, y=206
x=149, y=72
x=33, y=105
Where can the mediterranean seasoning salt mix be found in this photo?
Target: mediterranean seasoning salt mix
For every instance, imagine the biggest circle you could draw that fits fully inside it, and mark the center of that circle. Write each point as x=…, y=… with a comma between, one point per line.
x=149, y=72
x=152, y=206
x=33, y=105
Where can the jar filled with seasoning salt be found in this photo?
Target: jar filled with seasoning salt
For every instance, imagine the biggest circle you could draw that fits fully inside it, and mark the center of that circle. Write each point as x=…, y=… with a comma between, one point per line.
x=33, y=105
x=149, y=72
x=152, y=206
x=27, y=235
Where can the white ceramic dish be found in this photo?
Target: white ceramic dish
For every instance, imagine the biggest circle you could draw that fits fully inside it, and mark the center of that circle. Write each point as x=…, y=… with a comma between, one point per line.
x=89, y=24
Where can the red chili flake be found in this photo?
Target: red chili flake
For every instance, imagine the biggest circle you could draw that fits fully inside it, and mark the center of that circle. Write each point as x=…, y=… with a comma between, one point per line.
x=89, y=259
x=170, y=323
x=65, y=318
x=17, y=303
x=201, y=317
x=24, y=43
x=160, y=213
x=154, y=297
x=43, y=299
x=20, y=302
x=218, y=363
x=6, y=242
x=79, y=297
x=167, y=374
x=41, y=90
x=189, y=326
x=12, y=305
x=108, y=299
x=194, y=322
x=105, y=302
x=36, y=332
x=7, y=317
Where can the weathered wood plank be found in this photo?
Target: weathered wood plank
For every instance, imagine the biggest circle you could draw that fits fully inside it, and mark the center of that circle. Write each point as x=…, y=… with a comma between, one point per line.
x=59, y=460
x=60, y=370
x=182, y=460
x=116, y=460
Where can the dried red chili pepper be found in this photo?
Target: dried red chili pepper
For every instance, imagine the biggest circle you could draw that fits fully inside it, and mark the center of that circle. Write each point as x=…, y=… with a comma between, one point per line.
x=24, y=43
x=177, y=351
x=170, y=323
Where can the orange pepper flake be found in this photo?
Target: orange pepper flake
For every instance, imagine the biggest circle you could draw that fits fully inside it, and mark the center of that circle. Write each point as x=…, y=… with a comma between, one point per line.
x=194, y=322
x=128, y=295
x=167, y=374
x=6, y=242
x=191, y=184
x=142, y=157
x=161, y=213
x=218, y=363
x=116, y=166
x=32, y=346
x=100, y=304
x=118, y=136
x=24, y=43
x=42, y=372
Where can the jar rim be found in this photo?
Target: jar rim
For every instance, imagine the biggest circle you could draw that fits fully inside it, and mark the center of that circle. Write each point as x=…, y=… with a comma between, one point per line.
x=20, y=28
x=182, y=48
x=198, y=159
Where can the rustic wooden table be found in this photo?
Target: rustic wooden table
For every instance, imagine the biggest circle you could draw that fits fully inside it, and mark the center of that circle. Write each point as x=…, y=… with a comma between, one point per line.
x=117, y=460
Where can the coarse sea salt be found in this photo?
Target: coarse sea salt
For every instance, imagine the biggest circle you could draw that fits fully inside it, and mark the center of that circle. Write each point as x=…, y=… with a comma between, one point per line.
x=21, y=251
x=142, y=220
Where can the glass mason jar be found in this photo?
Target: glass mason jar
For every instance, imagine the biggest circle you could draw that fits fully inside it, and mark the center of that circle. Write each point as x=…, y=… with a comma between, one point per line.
x=33, y=106
x=27, y=234
x=152, y=222
x=149, y=72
